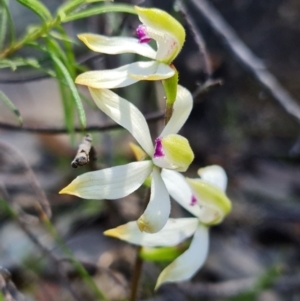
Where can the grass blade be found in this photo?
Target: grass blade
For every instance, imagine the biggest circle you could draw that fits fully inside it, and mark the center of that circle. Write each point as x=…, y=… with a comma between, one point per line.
x=11, y=106
x=58, y=36
x=68, y=7
x=38, y=8
x=18, y=62
x=99, y=9
x=3, y=26
x=10, y=23
x=93, y=1
x=69, y=80
x=71, y=5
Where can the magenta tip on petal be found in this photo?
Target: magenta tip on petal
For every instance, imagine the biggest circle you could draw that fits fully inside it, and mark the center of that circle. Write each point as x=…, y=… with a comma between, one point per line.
x=193, y=201
x=141, y=32
x=158, y=148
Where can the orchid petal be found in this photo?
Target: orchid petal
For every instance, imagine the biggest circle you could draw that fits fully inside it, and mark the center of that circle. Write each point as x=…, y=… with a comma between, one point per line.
x=180, y=190
x=165, y=30
x=110, y=183
x=173, y=233
x=125, y=75
x=187, y=264
x=181, y=110
x=158, y=210
x=138, y=152
x=215, y=175
x=214, y=202
x=126, y=114
x=116, y=45
x=173, y=152
x=153, y=71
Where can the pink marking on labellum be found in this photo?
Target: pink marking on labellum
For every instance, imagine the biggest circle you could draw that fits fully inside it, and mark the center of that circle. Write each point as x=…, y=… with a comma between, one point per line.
x=141, y=32
x=158, y=152
x=193, y=201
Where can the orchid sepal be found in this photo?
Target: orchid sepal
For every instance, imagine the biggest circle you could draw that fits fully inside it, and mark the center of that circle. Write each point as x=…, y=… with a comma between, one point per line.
x=125, y=75
x=189, y=262
x=213, y=200
x=158, y=209
x=168, y=33
x=110, y=183
x=116, y=45
x=174, y=232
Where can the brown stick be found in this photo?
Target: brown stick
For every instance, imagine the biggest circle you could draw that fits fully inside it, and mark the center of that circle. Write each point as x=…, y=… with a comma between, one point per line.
x=18, y=158
x=198, y=39
x=151, y=117
x=255, y=65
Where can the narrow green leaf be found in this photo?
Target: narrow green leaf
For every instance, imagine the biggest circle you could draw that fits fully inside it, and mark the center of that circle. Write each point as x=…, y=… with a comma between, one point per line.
x=38, y=8
x=71, y=5
x=11, y=106
x=3, y=25
x=63, y=54
x=8, y=64
x=61, y=37
x=93, y=1
x=19, y=62
x=68, y=7
x=96, y=10
x=75, y=95
x=11, y=27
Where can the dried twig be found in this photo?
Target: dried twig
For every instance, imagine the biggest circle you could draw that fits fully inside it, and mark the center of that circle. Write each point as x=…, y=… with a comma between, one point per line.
x=25, y=228
x=256, y=66
x=83, y=154
x=18, y=159
x=8, y=288
x=206, y=86
x=197, y=37
x=151, y=117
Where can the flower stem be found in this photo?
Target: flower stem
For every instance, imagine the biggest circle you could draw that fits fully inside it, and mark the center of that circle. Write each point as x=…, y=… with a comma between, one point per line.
x=138, y=264
x=168, y=113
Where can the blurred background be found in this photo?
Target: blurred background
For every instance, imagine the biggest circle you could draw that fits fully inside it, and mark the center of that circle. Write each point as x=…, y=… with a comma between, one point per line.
x=239, y=121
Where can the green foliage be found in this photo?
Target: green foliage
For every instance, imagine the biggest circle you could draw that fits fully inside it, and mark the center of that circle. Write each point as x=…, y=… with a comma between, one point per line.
x=96, y=10
x=72, y=5
x=38, y=8
x=6, y=24
x=55, y=43
x=3, y=25
x=18, y=62
x=11, y=106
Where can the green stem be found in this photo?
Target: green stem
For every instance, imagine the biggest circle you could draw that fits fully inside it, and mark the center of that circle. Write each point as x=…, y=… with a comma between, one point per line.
x=138, y=264
x=168, y=113
x=30, y=37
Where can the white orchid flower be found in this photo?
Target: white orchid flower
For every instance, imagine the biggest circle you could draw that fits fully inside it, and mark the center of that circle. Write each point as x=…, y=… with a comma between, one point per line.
x=206, y=200
x=171, y=151
x=158, y=25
